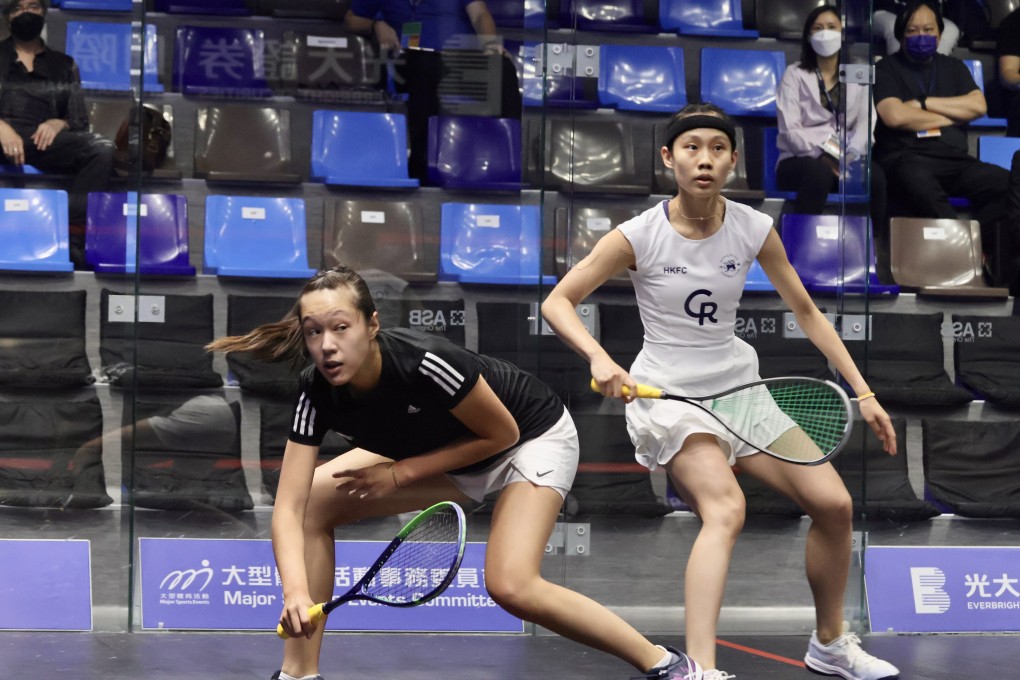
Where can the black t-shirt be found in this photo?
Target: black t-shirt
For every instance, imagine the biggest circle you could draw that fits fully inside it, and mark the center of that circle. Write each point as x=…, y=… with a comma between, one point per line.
x=897, y=77
x=1009, y=45
x=408, y=412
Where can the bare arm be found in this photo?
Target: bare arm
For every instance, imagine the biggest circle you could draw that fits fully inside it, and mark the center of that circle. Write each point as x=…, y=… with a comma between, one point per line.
x=821, y=333
x=1009, y=71
x=374, y=28
x=961, y=109
x=484, y=25
x=901, y=115
x=610, y=256
x=288, y=533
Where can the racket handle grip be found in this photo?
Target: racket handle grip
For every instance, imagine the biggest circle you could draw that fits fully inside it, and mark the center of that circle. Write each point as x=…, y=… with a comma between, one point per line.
x=315, y=613
x=643, y=391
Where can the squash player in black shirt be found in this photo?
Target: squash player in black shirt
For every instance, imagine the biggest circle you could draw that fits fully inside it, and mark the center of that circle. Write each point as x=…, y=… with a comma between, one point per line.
x=429, y=421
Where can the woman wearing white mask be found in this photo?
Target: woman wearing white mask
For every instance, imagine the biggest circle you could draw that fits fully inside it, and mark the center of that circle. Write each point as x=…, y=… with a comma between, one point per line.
x=821, y=121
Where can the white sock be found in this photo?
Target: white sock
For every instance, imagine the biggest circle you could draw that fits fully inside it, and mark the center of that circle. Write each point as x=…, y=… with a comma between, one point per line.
x=284, y=676
x=663, y=662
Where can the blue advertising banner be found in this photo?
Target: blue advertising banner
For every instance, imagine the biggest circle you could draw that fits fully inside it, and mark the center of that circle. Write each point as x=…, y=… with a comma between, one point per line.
x=943, y=589
x=45, y=585
x=222, y=584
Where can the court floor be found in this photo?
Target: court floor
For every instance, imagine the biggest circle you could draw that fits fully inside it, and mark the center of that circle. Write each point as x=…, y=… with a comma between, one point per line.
x=201, y=656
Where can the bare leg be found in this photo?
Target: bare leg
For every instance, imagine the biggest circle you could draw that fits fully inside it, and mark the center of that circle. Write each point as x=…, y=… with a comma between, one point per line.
x=702, y=475
x=521, y=525
x=329, y=508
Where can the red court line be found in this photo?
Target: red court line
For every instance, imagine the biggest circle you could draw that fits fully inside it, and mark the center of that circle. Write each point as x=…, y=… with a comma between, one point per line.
x=758, y=652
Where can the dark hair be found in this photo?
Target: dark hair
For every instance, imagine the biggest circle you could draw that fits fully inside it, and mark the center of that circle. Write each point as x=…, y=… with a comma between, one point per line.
x=808, y=58
x=900, y=27
x=8, y=6
x=282, y=340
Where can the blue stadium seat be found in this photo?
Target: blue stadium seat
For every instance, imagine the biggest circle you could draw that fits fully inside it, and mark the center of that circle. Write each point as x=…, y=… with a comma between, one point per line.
x=484, y=243
x=829, y=259
x=770, y=154
x=614, y=16
x=95, y=5
x=642, y=78
x=757, y=280
x=256, y=237
x=474, y=152
x=119, y=240
x=34, y=227
x=978, y=72
x=712, y=18
x=517, y=14
x=103, y=52
x=225, y=7
x=998, y=150
x=742, y=82
x=220, y=61
x=360, y=148
x=12, y=170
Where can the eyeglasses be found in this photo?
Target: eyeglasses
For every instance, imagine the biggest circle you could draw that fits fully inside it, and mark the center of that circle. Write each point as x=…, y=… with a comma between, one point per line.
x=35, y=7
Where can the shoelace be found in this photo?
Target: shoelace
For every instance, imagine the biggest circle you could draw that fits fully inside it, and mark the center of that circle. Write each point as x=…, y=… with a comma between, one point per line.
x=718, y=675
x=854, y=651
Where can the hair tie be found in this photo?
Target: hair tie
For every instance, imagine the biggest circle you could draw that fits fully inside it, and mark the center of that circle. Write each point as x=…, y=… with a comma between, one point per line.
x=866, y=395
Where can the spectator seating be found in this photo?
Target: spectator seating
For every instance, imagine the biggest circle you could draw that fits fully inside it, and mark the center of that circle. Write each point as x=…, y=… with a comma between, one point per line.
x=987, y=357
x=329, y=68
x=939, y=258
x=35, y=231
x=621, y=332
x=489, y=243
x=708, y=18
x=904, y=360
x=856, y=192
x=781, y=347
x=517, y=14
x=757, y=280
x=591, y=154
x=737, y=186
x=42, y=339
x=783, y=19
x=106, y=117
x=331, y=10
x=977, y=70
x=274, y=426
x=256, y=237
x=833, y=254
x=559, y=75
x=742, y=82
x=189, y=455
x=577, y=229
x=386, y=235
x=220, y=61
x=998, y=150
x=614, y=16
x=642, y=78
x=972, y=467
x=244, y=313
x=124, y=234
x=105, y=58
x=95, y=5
x=166, y=348
x=360, y=148
x=43, y=458
x=879, y=483
x=474, y=153
x=220, y=7
x=244, y=143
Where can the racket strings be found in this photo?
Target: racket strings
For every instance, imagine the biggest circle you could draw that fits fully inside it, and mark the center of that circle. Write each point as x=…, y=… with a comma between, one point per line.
x=421, y=564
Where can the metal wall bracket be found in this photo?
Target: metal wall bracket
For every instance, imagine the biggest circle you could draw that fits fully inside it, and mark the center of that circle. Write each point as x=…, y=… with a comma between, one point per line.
x=862, y=74
x=855, y=327
x=570, y=539
x=151, y=309
x=562, y=59
x=792, y=329
x=588, y=313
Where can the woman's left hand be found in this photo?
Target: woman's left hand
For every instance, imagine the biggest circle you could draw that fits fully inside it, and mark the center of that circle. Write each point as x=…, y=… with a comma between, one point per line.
x=375, y=481
x=875, y=416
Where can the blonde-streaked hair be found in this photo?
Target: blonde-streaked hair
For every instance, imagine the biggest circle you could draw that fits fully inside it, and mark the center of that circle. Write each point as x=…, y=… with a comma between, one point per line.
x=282, y=340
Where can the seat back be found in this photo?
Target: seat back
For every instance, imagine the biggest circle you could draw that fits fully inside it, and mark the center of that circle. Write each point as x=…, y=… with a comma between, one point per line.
x=220, y=61
x=724, y=19
x=387, y=235
x=998, y=150
x=977, y=70
x=244, y=314
x=223, y=7
x=333, y=10
x=239, y=143
x=475, y=152
x=331, y=68
x=360, y=148
x=95, y=5
x=517, y=14
x=783, y=19
x=593, y=154
x=757, y=280
x=490, y=243
x=642, y=78
x=107, y=53
x=986, y=353
x=256, y=236
x=124, y=234
x=742, y=82
x=35, y=232
x=615, y=16
x=939, y=256
x=833, y=253
x=578, y=229
x=42, y=339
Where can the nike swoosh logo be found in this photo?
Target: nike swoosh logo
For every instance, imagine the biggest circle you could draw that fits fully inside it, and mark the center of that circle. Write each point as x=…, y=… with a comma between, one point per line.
x=543, y=474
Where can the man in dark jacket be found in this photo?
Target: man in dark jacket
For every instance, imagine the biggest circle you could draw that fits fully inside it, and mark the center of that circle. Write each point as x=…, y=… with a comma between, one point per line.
x=43, y=120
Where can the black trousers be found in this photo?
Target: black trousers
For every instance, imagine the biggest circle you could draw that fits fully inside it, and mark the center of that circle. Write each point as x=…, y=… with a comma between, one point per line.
x=86, y=156
x=813, y=181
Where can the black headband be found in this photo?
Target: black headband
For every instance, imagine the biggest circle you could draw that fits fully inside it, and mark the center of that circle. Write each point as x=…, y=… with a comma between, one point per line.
x=678, y=126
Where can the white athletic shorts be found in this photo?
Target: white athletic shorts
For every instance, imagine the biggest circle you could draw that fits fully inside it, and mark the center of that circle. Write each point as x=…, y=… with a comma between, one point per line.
x=548, y=460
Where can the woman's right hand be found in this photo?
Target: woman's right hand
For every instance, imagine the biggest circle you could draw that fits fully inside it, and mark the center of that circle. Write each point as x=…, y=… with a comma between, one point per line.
x=611, y=378
x=295, y=619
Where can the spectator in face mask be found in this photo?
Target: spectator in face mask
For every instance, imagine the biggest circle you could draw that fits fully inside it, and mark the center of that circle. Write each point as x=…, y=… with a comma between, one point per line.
x=43, y=120
x=924, y=101
x=884, y=24
x=823, y=124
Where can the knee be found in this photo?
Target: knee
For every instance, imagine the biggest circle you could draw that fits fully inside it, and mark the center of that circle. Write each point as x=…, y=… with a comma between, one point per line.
x=836, y=509
x=511, y=590
x=724, y=514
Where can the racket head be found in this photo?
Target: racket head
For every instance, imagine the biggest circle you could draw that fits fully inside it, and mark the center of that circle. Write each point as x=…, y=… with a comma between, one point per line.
x=806, y=421
x=418, y=564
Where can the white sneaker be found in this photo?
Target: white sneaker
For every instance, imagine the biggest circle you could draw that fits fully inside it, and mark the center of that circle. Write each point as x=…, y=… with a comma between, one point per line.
x=716, y=674
x=845, y=658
